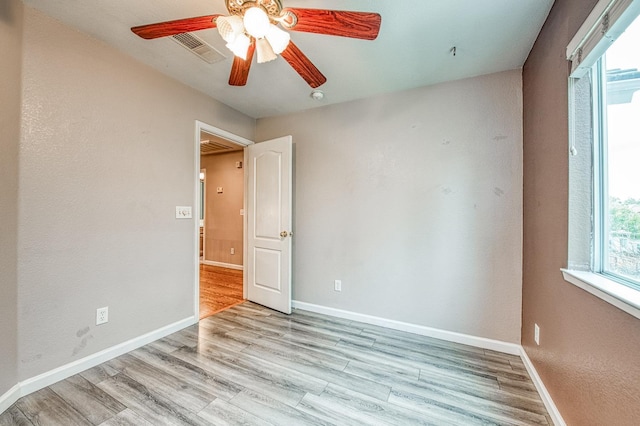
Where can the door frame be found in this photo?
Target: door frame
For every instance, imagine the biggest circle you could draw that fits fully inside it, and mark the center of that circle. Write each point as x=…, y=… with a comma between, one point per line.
x=243, y=142
x=202, y=197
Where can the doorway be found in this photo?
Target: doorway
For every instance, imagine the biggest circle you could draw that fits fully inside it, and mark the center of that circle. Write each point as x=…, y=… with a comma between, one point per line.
x=221, y=228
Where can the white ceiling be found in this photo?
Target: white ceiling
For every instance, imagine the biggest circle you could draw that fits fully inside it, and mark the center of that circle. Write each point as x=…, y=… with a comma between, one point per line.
x=412, y=50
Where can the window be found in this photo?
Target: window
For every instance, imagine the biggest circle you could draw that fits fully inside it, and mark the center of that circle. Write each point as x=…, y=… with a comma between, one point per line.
x=617, y=159
x=604, y=168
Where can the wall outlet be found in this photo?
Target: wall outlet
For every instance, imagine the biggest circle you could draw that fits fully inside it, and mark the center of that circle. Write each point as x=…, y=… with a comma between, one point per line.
x=337, y=285
x=536, y=334
x=102, y=315
x=233, y=251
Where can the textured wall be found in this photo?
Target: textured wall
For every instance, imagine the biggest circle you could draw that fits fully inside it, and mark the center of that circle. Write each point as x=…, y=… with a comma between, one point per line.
x=10, y=83
x=414, y=201
x=223, y=223
x=588, y=354
x=107, y=152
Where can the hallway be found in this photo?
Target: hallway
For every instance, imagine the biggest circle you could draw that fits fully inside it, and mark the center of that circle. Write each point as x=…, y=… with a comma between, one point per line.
x=220, y=288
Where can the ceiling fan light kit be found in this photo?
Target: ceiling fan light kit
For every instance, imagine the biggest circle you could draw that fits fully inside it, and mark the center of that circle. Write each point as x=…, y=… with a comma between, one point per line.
x=256, y=22
x=278, y=39
x=239, y=46
x=252, y=25
x=265, y=51
x=229, y=27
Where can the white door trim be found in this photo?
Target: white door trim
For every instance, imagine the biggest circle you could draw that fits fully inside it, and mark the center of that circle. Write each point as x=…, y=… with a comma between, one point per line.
x=239, y=140
x=202, y=195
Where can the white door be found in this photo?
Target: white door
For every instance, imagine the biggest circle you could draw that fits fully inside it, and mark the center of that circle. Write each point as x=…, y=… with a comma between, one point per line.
x=269, y=223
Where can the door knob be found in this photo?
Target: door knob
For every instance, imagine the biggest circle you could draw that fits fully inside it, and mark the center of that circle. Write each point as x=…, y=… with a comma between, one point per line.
x=284, y=234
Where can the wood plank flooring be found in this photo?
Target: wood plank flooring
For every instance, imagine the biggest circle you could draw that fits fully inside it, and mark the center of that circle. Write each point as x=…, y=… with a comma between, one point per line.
x=252, y=366
x=220, y=288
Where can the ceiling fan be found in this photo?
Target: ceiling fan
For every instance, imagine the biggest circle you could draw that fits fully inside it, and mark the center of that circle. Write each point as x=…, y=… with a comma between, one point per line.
x=252, y=25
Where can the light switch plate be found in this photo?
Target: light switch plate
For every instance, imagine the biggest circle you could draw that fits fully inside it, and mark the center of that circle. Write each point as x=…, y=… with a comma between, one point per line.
x=183, y=212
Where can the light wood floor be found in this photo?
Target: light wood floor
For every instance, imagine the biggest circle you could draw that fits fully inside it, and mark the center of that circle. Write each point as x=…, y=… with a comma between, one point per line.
x=250, y=365
x=220, y=288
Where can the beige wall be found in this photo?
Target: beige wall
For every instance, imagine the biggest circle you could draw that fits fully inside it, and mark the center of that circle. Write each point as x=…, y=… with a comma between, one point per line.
x=589, y=350
x=10, y=65
x=107, y=152
x=414, y=201
x=223, y=223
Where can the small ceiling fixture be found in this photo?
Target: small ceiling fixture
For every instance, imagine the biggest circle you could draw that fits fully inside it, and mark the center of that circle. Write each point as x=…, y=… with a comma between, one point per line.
x=317, y=95
x=252, y=26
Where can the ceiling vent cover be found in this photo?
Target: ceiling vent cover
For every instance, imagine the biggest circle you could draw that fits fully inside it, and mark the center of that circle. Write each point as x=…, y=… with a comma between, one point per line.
x=199, y=47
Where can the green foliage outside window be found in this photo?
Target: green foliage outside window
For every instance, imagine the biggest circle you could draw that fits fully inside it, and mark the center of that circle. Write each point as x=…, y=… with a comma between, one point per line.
x=625, y=217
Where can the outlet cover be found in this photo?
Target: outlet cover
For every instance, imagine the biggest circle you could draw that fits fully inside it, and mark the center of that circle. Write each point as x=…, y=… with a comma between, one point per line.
x=337, y=285
x=102, y=315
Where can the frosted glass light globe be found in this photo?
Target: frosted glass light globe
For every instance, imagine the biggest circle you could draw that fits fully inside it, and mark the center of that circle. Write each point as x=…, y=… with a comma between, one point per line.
x=278, y=39
x=240, y=46
x=256, y=22
x=265, y=51
x=230, y=27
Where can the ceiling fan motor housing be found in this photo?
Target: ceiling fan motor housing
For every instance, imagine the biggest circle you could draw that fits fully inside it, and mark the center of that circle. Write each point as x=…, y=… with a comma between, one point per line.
x=272, y=7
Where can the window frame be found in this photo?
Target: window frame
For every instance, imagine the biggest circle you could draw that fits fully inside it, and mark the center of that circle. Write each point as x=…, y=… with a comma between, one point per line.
x=600, y=165
x=597, y=280
x=601, y=226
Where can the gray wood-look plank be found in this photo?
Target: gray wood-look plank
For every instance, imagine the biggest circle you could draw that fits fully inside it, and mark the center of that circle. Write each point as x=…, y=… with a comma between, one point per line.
x=148, y=403
x=195, y=376
x=46, y=407
x=14, y=417
x=221, y=413
x=127, y=417
x=362, y=409
x=274, y=411
x=98, y=373
x=92, y=402
x=249, y=365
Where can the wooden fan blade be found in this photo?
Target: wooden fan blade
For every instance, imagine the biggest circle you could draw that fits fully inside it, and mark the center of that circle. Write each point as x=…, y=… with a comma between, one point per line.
x=363, y=25
x=303, y=66
x=169, y=28
x=240, y=68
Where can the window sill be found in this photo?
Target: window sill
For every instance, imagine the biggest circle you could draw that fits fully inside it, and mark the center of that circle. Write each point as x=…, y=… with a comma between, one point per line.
x=618, y=295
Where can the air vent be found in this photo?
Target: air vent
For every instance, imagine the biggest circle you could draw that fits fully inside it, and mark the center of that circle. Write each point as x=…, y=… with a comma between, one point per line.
x=199, y=47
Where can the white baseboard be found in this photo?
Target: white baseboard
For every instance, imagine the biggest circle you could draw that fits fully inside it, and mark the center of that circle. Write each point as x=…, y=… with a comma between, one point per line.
x=554, y=413
x=9, y=398
x=480, y=342
x=222, y=264
x=50, y=377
